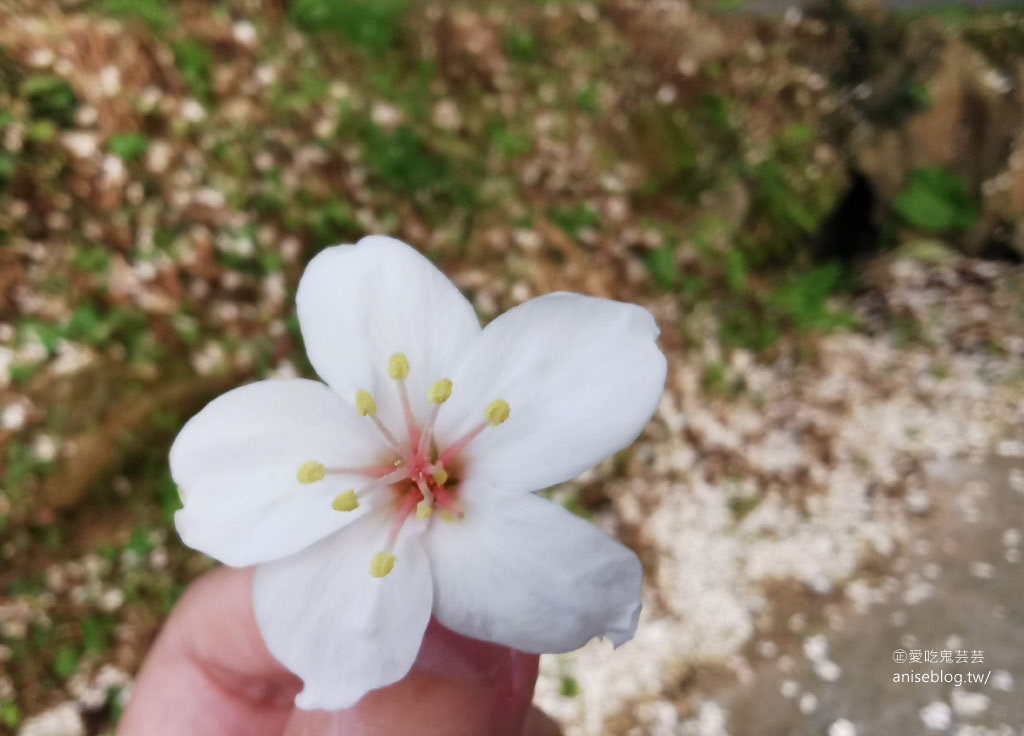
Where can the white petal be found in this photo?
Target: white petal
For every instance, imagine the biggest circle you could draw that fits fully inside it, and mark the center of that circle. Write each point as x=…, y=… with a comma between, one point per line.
x=582, y=377
x=522, y=571
x=343, y=631
x=236, y=463
x=360, y=304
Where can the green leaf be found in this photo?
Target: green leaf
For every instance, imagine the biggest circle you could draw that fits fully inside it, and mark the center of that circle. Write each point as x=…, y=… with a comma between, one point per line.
x=10, y=716
x=373, y=25
x=94, y=636
x=94, y=259
x=661, y=263
x=50, y=97
x=8, y=163
x=570, y=687
x=156, y=14
x=936, y=201
x=195, y=64
x=128, y=146
x=65, y=663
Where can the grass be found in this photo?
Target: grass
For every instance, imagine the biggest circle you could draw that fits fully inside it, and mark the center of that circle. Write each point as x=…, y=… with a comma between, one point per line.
x=374, y=26
x=402, y=159
x=661, y=264
x=195, y=64
x=50, y=98
x=158, y=15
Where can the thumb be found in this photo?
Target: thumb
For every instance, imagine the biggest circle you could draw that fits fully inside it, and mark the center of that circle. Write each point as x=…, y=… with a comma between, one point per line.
x=457, y=687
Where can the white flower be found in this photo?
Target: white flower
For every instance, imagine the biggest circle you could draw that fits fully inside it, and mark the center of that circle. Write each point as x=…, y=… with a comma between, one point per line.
x=403, y=487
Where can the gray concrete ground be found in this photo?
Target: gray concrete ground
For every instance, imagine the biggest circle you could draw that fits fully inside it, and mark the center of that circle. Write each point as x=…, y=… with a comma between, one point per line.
x=960, y=589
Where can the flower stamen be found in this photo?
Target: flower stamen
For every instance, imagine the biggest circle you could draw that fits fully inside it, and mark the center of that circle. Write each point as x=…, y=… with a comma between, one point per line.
x=346, y=501
x=381, y=564
x=384, y=481
x=310, y=471
x=398, y=369
x=409, y=503
x=367, y=407
x=365, y=403
x=424, y=509
x=439, y=392
x=369, y=471
x=496, y=413
x=313, y=471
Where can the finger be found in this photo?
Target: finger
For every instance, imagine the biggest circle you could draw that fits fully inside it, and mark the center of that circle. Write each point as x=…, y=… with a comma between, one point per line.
x=209, y=672
x=458, y=687
x=539, y=723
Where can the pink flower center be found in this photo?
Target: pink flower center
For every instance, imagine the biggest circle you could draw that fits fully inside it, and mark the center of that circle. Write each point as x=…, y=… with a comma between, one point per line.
x=421, y=475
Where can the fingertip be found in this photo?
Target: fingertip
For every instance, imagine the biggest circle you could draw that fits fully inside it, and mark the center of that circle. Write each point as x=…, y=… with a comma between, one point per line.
x=539, y=723
x=447, y=654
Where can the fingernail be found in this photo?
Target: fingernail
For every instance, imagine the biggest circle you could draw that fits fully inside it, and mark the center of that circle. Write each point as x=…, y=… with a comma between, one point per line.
x=458, y=657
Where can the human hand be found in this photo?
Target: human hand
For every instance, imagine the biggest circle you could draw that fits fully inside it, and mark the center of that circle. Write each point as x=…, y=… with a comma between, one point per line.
x=210, y=674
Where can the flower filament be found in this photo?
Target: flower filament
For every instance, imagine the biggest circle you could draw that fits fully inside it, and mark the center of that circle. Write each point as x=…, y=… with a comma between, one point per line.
x=419, y=474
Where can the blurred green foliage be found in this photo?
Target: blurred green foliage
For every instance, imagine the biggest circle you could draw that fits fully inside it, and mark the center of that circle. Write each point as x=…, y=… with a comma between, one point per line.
x=371, y=25
x=522, y=46
x=65, y=662
x=128, y=146
x=570, y=687
x=936, y=201
x=661, y=263
x=573, y=219
x=403, y=159
x=50, y=98
x=803, y=298
x=10, y=715
x=159, y=15
x=195, y=64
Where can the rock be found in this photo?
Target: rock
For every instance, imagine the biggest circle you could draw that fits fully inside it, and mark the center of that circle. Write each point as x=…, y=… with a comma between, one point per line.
x=970, y=129
x=926, y=251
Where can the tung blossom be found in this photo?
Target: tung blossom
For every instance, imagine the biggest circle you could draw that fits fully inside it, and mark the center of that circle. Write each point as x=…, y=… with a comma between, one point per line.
x=402, y=486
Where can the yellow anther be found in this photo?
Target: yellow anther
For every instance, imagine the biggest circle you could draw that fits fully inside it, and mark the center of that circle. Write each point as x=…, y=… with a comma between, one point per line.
x=398, y=367
x=381, y=564
x=346, y=501
x=365, y=403
x=497, y=412
x=423, y=510
x=448, y=516
x=310, y=472
x=440, y=391
x=440, y=476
